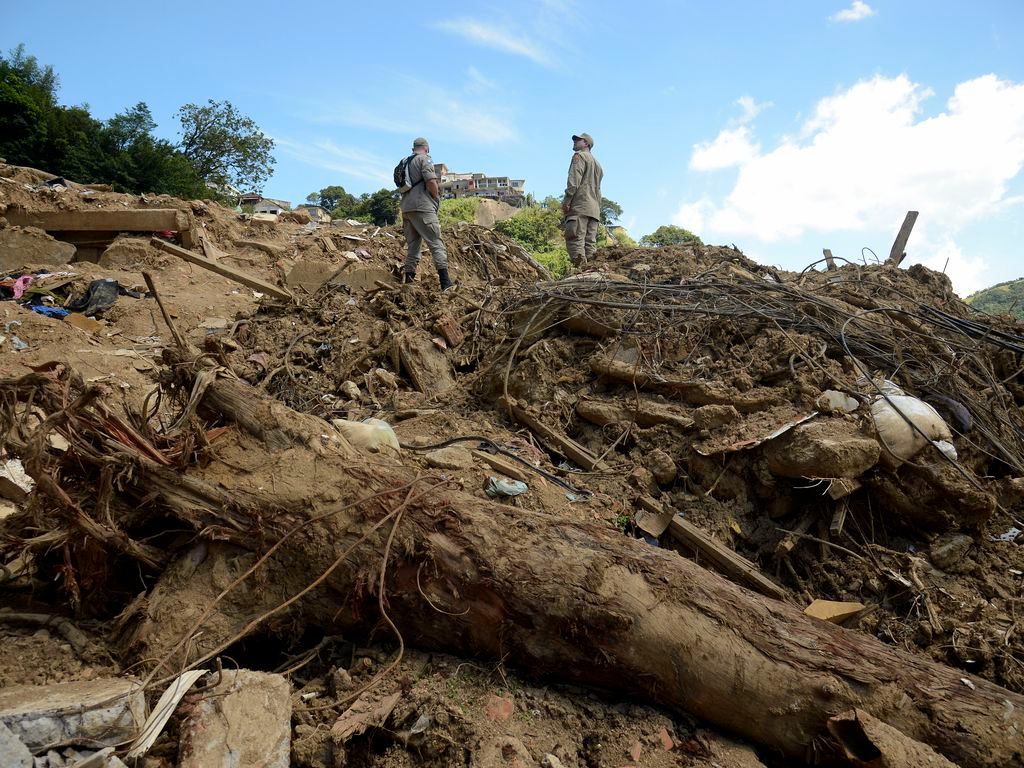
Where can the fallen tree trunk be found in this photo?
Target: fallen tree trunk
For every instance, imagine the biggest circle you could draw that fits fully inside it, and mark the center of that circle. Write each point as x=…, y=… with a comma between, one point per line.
x=558, y=599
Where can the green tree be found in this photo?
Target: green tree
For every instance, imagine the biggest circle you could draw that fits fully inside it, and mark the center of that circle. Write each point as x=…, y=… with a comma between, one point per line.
x=610, y=211
x=224, y=146
x=335, y=200
x=380, y=207
x=669, y=234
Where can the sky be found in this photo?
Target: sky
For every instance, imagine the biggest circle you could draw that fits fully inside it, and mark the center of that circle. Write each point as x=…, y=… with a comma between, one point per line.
x=781, y=127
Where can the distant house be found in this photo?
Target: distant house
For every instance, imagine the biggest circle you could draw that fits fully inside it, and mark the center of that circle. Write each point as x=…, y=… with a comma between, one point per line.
x=453, y=185
x=269, y=205
x=316, y=213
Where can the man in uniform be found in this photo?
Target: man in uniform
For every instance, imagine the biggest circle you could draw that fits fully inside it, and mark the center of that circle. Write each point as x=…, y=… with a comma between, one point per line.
x=419, y=215
x=582, y=204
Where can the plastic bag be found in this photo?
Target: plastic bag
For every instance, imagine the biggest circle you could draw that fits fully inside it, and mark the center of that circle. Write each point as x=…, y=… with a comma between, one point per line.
x=372, y=435
x=902, y=440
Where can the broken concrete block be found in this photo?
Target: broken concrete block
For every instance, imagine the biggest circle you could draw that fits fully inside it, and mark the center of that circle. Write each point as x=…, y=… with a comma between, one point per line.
x=452, y=457
x=14, y=752
x=243, y=721
x=271, y=217
x=822, y=449
x=102, y=712
x=15, y=484
x=20, y=246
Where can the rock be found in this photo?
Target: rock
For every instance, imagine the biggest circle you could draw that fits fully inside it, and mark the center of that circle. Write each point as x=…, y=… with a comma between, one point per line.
x=498, y=708
x=452, y=457
x=103, y=712
x=21, y=246
x=15, y=753
x=350, y=389
x=642, y=479
x=243, y=721
x=711, y=416
x=948, y=551
x=661, y=466
x=127, y=252
x=831, y=448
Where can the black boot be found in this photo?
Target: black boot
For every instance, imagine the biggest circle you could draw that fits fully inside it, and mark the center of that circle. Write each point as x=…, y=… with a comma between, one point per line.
x=408, y=277
x=446, y=282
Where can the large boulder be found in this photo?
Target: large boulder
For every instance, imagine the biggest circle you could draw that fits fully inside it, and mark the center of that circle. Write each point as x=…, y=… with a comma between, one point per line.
x=832, y=448
x=23, y=246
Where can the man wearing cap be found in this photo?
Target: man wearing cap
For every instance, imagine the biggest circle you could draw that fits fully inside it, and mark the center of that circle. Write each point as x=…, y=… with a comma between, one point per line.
x=582, y=203
x=419, y=215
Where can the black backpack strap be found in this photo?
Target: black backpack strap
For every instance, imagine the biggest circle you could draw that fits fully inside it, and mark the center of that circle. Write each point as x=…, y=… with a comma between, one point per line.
x=408, y=160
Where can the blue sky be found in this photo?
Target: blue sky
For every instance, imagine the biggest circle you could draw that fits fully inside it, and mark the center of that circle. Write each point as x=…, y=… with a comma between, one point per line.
x=782, y=127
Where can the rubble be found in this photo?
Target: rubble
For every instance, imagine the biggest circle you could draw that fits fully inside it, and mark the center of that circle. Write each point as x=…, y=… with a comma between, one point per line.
x=712, y=406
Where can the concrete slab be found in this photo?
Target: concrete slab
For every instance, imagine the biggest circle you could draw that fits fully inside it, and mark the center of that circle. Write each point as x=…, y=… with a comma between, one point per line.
x=103, y=712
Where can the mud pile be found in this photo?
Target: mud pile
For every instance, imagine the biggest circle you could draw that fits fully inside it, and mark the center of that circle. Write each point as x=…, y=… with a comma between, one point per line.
x=685, y=396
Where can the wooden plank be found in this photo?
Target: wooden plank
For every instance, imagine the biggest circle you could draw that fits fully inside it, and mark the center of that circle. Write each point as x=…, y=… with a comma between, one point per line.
x=900, y=245
x=829, y=261
x=839, y=518
x=503, y=465
x=727, y=562
x=553, y=438
x=126, y=220
x=223, y=270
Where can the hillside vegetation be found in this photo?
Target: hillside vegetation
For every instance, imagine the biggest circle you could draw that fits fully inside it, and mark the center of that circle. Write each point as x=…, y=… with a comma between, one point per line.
x=1002, y=299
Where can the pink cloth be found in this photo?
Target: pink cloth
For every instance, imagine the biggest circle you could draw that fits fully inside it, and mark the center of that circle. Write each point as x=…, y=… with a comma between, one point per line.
x=21, y=284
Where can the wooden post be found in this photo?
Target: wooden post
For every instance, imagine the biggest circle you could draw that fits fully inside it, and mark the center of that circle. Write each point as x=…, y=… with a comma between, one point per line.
x=899, y=246
x=829, y=261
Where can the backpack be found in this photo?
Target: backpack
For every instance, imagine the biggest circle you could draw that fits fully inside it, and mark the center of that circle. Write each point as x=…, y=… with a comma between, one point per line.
x=402, y=180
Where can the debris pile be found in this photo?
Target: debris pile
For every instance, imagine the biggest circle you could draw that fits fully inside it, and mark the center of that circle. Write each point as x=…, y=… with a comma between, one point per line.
x=288, y=459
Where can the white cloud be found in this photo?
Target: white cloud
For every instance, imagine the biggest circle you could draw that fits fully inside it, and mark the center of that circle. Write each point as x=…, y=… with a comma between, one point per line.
x=731, y=147
x=856, y=12
x=498, y=38
x=751, y=108
x=865, y=157
x=966, y=272
x=325, y=154
x=478, y=81
x=472, y=115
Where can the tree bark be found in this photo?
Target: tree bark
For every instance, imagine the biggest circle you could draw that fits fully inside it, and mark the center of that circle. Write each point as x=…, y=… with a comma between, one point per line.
x=567, y=601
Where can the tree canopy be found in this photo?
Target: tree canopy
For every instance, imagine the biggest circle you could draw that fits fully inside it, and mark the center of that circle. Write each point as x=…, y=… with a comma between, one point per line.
x=610, y=211
x=224, y=146
x=333, y=198
x=669, y=234
x=37, y=131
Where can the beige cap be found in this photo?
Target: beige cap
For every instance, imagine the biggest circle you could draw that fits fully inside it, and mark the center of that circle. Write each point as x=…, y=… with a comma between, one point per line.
x=585, y=136
x=420, y=142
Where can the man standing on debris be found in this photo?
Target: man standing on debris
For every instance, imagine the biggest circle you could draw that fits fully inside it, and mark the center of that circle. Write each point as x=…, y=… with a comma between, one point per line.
x=582, y=204
x=420, y=204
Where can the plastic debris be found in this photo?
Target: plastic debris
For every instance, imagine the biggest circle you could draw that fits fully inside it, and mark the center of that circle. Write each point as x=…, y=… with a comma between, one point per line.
x=500, y=486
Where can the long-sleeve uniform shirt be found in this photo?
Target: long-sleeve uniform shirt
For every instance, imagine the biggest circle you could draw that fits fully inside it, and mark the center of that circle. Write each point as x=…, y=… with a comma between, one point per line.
x=583, y=188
